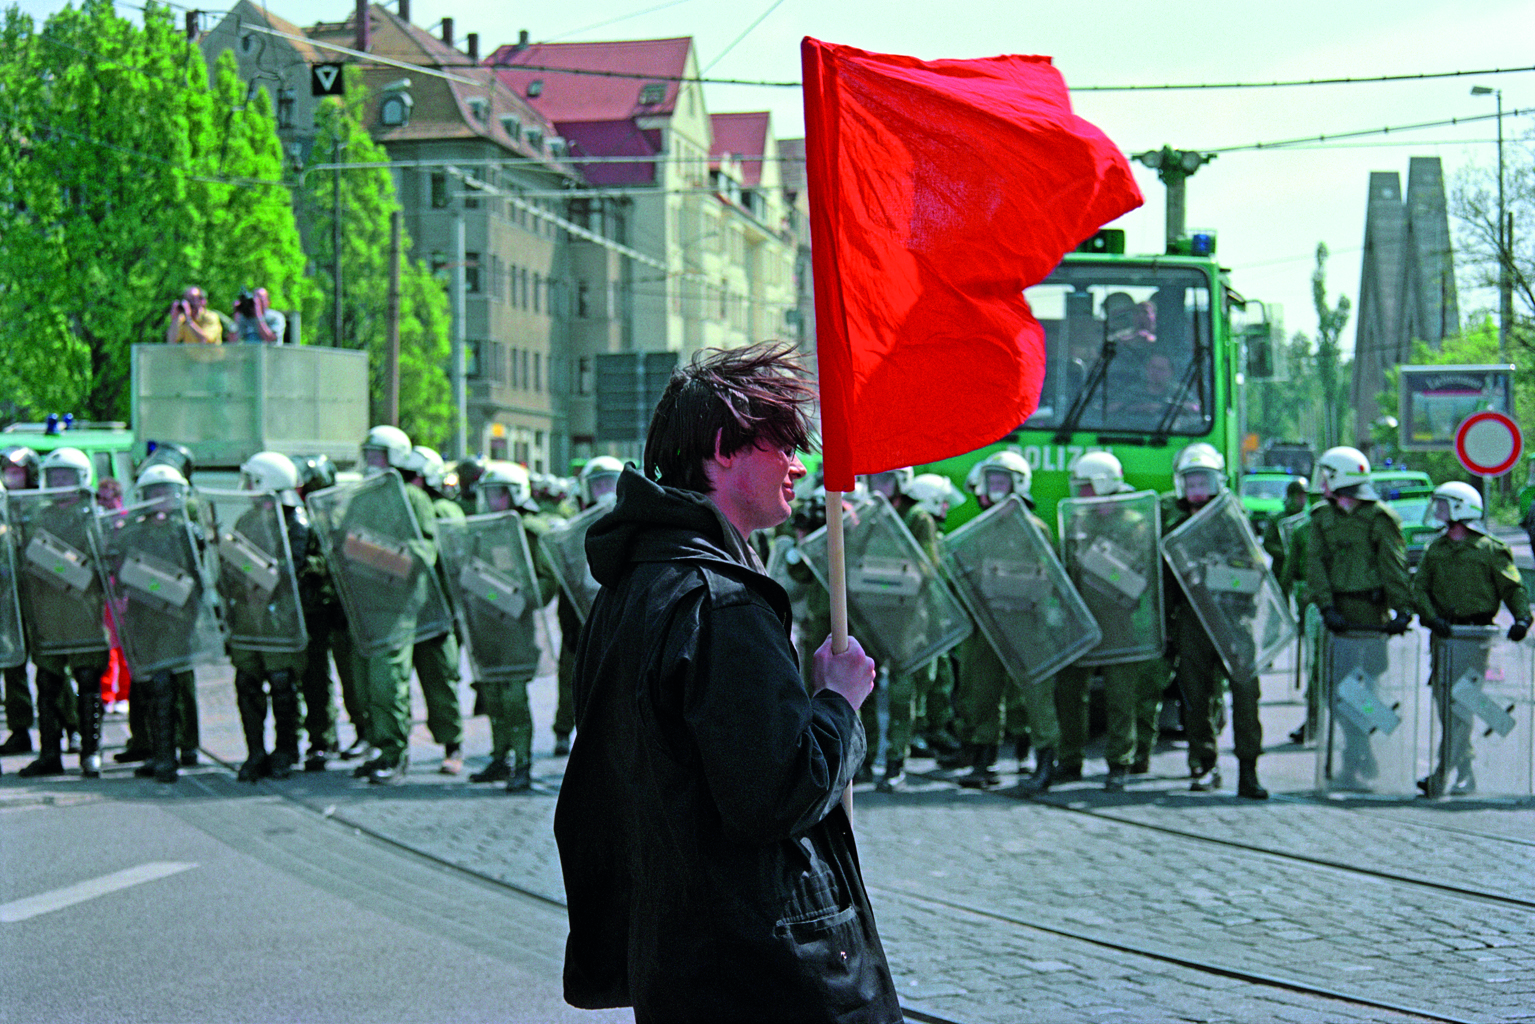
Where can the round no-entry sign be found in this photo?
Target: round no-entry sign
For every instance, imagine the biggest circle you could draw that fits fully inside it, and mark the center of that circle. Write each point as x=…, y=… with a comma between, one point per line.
x=1488, y=443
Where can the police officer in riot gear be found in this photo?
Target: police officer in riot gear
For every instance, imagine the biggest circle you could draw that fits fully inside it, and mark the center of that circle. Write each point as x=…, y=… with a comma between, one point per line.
x=20, y=467
x=1356, y=570
x=1466, y=574
x=983, y=684
x=505, y=487
x=257, y=671
x=1199, y=475
x=1132, y=690
x=69, y=519
x=436, y=658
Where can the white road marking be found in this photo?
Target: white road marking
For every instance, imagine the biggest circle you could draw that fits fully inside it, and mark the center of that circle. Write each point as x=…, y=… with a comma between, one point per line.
x=58, y=899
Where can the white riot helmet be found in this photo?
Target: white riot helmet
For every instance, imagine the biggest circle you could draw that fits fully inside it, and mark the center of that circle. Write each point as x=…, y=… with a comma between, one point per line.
x=598, y=482
x=1199, y=460
x=504, y=486
x=427, y=464
x=934, y=494
x=1344, y=469
x=159, y=482
x=890, y=482
x=1099, y=470
x=1000, y=474
x=273, y=472
x=1457, y=502
x=67, y=467
x=394, y=445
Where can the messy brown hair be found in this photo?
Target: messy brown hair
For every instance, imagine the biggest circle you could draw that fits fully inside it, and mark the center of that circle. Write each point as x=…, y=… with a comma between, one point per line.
x=760, y=394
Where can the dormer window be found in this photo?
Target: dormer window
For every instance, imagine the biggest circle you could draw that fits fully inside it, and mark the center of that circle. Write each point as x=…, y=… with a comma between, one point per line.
x=512, y=125
x=652, y=93
x=535, y=138
x=394, y=109
x=479, y=106
x=535, y=88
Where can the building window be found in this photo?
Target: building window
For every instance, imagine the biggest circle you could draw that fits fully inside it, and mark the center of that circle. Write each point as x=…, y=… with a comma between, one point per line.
x=585, y=376
x=583, y=299
x=652, y=93
x=524, y=369
x=538, y=283
x=535, y=88
x=439, y=190
x=472, y=272
x=394, y=109
x=538, y=371
x=524, y=281
x=472, y=364
x=286, y=101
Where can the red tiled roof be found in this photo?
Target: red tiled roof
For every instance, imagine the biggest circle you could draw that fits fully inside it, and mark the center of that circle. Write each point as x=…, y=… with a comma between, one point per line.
x=741, y=135
x=567, y=98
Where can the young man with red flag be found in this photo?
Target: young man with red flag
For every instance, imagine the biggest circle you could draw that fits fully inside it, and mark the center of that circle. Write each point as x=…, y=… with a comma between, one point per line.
x=709, y=864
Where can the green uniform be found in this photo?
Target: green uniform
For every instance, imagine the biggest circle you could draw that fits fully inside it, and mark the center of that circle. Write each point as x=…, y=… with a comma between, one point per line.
x=1200, y=673
x=1132, y=690
x=506, y=702
x=1463, y=582
x=1356, y=563
x=921, y=686
x=984, y=689
x=436, y=659
x=384, y=678
x=1294, y=583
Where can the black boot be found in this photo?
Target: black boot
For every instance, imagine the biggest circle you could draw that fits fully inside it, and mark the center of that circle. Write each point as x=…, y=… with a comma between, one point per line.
x=162, y=728
x=499, y=770
x=522, y=778
x=1044, y=772
x=18, y=742
x=285, y=721
x=50, y=731
x=90, y=712
x=1247, y=781
x=894, y=777
x=250, y=696
x=983, y=772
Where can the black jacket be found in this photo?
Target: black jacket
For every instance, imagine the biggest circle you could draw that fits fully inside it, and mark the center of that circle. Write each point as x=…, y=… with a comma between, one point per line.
x=709, y=868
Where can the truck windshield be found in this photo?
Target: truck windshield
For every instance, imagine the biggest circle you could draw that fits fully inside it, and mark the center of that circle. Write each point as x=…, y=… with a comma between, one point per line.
x=1130, y=346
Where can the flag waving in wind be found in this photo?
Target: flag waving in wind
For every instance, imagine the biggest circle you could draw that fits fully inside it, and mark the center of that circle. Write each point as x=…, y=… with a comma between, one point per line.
x=939, y=191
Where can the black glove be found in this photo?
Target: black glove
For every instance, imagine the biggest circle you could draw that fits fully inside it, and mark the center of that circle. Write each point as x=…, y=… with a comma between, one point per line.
x=1334, y=620
x=1517, y=631
x=1399, y=623
x=1437, y=626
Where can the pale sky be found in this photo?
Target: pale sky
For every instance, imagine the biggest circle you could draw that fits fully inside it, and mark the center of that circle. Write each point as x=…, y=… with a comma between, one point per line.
x=1270, y=208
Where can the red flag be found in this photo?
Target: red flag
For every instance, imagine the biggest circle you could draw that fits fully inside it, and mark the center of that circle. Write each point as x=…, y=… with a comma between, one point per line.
x=938, y=192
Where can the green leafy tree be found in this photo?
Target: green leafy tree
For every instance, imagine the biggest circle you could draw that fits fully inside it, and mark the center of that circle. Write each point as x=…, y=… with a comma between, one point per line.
x=115, y=196
x=1329, y=360
x=367, y=201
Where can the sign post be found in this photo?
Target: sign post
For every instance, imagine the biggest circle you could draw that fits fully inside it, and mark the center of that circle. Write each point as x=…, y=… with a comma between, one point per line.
x=1488, y=444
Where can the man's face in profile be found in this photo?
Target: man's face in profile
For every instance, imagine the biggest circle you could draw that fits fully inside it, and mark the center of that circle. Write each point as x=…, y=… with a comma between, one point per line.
x=766, y=483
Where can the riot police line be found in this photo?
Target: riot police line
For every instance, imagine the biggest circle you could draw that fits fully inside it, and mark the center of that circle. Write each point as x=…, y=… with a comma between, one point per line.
x=387, y=575
x=993, y=630
x=1142, y=588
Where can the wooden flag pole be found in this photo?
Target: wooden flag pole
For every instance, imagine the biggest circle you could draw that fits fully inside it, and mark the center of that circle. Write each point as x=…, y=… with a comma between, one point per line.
x=838, y=589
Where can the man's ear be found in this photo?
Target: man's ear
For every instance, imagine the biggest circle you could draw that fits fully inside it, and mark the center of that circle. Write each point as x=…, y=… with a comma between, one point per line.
x=725, y=461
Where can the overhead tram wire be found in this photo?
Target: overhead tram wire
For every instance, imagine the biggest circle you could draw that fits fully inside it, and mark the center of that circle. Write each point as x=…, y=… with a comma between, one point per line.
x=744, y=33
x=1367, y=132
x=614, y=21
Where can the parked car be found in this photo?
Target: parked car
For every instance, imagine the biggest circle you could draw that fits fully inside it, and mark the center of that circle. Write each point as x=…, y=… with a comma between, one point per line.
x=1410, y=495
x=1262, y=492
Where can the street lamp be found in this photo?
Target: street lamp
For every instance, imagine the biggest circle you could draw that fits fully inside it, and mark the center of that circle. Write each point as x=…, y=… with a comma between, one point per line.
x=1174, y=166
x=1505, y=283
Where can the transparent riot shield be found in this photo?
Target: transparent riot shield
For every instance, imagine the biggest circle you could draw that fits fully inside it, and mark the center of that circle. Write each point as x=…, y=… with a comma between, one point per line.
x=1482, y=736
x=1221, y=569
x=62, y=597
x=13, y=644
x=564, y=548
x=898, y=606
x=255, y=571
x=161, y=598
x=1003, y=566
x=1368, y=734
x=490, y=573
x=778, y=571
x=1287, y=527
x=379, y=560
x=1109, y=548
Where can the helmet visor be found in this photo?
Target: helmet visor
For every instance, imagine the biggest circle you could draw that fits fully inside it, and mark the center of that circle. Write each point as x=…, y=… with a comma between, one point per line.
x=61, y=476
x=601, y=485
x=998, y=484
x=1200, y=485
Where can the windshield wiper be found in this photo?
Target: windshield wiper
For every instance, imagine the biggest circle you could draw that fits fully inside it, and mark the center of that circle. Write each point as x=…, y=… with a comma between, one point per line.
x=1095, y=378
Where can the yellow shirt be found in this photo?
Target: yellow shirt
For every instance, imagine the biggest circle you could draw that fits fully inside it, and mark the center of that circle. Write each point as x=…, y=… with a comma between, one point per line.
x=211, y=325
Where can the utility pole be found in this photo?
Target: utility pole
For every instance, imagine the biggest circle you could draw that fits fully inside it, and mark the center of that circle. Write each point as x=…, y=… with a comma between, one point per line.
x=1505, y=236
x=392, y=360
x=1174, y=167
x=335, y=232
x=460, y=395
